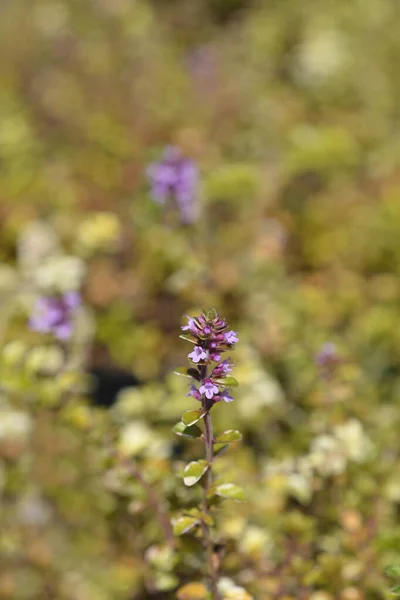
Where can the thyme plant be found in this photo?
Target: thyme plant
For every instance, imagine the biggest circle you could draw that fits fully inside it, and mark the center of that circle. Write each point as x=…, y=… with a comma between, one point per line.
x=211, y=337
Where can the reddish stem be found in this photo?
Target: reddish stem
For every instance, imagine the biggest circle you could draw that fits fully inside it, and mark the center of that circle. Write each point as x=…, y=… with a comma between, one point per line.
x=209, y=450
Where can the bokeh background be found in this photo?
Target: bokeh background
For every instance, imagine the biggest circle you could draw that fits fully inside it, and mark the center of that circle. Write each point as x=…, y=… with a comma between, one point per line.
x=291, y=111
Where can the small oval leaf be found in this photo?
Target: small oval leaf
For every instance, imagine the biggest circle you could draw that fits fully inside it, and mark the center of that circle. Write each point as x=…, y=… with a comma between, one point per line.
x=231, y=435
x=231, y=491
x=194, y=471
x=195, y=512
x=219, y=449
x=183, y=372
x=227, y=381
x=194, y=373
x=192, y=432
x=190, y=417
x=182, y=525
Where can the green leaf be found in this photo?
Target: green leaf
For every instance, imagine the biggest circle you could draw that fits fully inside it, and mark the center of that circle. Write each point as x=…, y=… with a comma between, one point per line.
x=188, y=432
x=183, y=372
x=187, y=339
x=395, y=590
x=231, y=435
x=194, y=373
x=195, y=512
x=227, y=381
x=194, y=471
x=215, y=501
x=182, y=525
x=219, y=449
x=393, y=571
x=231, y=491
x=190, y=417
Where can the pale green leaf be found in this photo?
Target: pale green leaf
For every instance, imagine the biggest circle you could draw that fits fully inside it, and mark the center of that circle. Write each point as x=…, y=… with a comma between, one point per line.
x=227, y=381
x=184, y=524
x=231, y=491
x=194, y=471
x=231, y=435
x=183, y=430
x=183, y=372
x=190, y=417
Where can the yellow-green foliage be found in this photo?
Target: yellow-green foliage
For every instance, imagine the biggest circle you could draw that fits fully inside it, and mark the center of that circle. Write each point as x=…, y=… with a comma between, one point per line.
x=291, y=111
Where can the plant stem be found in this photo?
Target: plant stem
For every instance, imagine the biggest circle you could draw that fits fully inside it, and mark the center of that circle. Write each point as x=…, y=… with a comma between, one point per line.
x=211, y=561
x=209, y=450
x=154, y=502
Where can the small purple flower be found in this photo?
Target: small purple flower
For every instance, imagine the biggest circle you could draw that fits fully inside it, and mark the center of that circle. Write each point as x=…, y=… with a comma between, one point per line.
x=194, y=392
x=198, y=354
x=226, y=397
x=209, y=389
x=54, y=314
x=191, y=326
x=215, y=357
x=222, y=369
x=176, y=176
x=231, y=337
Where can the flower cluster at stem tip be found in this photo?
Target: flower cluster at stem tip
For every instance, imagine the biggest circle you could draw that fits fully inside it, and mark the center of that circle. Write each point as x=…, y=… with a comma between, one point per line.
x=212, y=337
x=175, y=176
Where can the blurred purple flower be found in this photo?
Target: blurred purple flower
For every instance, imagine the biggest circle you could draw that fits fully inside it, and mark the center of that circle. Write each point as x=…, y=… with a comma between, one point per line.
x=327, y=354
x=328, y=359
x=175, y=176
x=54, y=314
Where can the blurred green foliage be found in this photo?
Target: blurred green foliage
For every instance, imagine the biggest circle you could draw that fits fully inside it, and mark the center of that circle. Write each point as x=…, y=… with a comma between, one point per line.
x=291, y=110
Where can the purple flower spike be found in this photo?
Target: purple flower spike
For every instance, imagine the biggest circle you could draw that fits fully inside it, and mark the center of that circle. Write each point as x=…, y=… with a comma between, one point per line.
x=55, y=314
x=198, y=354
x=211, y=336
x=175, y=176
x=209, y=389
x=231, y=337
